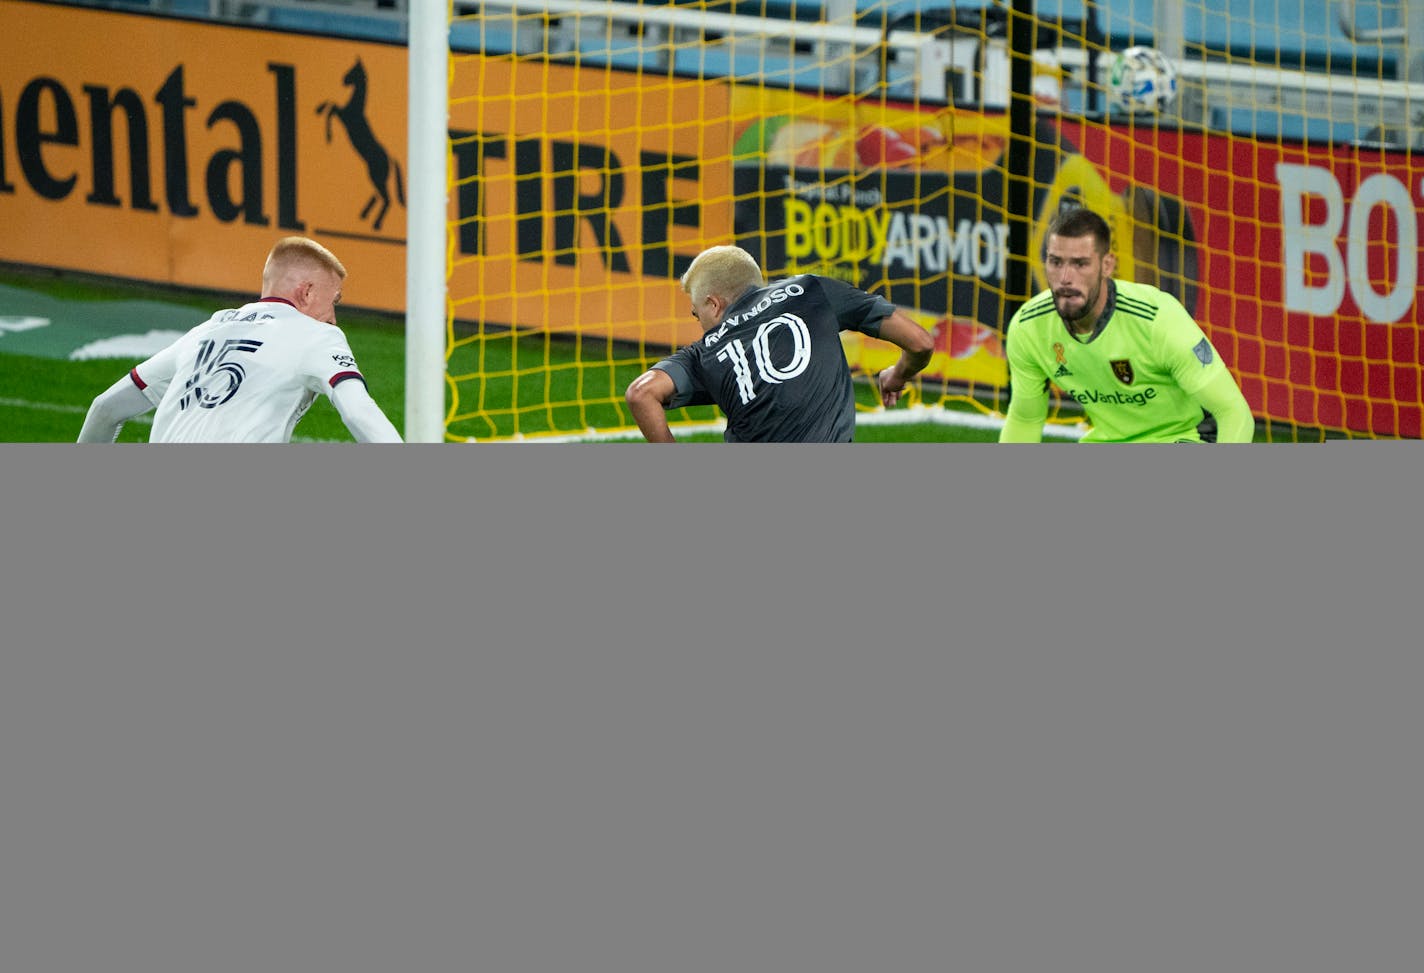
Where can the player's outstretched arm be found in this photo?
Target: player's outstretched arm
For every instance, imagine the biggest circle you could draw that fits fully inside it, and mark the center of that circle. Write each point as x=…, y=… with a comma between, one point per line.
x=1223, y=399
x=1028, y=400
x=1018, y=428
x=112, y=408
x=916, y=348
x=647, y=396
x=363, y=417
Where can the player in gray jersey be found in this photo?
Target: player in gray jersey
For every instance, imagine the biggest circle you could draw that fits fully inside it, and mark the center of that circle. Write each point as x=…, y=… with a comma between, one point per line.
x=771, y=355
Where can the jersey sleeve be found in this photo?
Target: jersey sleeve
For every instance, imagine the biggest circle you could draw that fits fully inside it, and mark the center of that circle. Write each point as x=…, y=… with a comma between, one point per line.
x=1222, y=397
x=855, y=309
x=112, y=408
x=329, y=361
x=681, y=367
x=1028, y=392
x=363, y=417
x=155, y=374
x=1186, y=350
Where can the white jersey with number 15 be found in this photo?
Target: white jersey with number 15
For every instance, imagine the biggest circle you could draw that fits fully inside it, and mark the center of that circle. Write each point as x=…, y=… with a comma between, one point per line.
x=246, y=375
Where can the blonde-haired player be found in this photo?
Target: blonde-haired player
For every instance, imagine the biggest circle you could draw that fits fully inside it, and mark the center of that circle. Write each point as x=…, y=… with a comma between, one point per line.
x=771, y=355
x=248, y=374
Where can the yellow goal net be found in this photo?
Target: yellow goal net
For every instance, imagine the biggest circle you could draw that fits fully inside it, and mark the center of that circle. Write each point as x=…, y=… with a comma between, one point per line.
x=594, y=147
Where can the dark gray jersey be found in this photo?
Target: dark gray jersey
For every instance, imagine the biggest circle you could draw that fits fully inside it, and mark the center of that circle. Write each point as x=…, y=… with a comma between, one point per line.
x=776, y=366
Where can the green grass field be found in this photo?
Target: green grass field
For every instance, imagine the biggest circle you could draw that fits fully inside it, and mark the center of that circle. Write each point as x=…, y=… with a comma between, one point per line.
x=43, y=398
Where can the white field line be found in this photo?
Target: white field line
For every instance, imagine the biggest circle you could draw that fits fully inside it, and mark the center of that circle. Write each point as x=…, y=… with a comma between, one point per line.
x=72, y=410
x=79, y=410
x=912, y=415
x=909, y=416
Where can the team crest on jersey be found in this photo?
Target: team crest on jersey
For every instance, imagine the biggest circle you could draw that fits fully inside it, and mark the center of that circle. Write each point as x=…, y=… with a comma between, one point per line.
x=1122, y=368
x=1202, y=350
x=1059, y=354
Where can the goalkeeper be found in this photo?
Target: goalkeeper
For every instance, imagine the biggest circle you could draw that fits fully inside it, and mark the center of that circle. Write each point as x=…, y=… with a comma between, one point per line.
x=1128, y=353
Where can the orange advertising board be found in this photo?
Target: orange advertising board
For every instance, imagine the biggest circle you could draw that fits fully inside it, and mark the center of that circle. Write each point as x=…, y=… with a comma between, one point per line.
x=584, y=194
x=183, y=164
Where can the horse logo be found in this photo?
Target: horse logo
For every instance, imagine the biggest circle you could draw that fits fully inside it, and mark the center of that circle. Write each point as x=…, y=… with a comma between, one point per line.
x=379, y=164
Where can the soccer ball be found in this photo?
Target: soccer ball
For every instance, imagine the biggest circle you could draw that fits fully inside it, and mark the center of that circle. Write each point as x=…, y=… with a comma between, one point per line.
x=1142, y=80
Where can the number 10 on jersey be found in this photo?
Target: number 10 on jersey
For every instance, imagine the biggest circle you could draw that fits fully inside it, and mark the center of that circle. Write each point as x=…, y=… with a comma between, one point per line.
x=767, y=371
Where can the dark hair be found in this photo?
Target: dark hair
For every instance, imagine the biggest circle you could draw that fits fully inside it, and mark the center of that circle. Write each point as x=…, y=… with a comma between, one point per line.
x=1081, y=222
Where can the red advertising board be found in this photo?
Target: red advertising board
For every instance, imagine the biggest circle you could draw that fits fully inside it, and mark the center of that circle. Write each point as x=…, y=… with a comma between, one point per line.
x=1308, y=264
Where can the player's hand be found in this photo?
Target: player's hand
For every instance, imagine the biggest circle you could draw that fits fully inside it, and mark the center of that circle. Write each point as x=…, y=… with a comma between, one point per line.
x=890, y=386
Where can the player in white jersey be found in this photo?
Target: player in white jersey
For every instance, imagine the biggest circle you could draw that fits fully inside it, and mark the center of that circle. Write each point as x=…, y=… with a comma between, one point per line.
x=248, y=374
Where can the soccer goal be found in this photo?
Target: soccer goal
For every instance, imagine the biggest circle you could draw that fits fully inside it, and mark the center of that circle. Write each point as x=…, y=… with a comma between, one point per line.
x=590, y=150
x=570, y=157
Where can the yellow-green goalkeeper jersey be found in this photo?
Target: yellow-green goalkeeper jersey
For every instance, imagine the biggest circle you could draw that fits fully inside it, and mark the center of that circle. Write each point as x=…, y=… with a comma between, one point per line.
x=1136, y=377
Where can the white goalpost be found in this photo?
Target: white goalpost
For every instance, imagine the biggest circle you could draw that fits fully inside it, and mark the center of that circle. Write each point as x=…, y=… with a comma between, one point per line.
x=426, y=261
x=924, y=58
